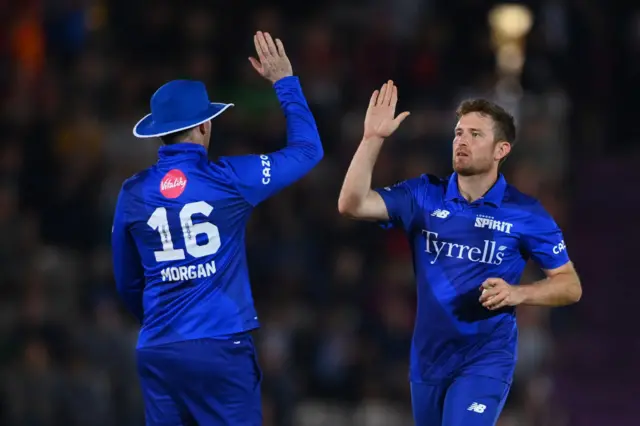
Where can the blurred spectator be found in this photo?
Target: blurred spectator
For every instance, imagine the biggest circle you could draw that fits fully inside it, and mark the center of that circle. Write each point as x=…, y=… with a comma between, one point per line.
x=336, y=298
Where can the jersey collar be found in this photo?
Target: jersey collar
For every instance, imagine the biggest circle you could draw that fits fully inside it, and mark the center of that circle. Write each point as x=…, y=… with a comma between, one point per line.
x=179, y=149
x=493, y=196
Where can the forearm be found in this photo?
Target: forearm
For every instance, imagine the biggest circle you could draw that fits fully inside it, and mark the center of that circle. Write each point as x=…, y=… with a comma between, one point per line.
x=302, y=131
x=559, y=290
x=357, y=182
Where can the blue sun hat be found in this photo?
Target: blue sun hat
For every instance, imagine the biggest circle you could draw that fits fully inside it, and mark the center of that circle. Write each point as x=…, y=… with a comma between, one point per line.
x=178, y=105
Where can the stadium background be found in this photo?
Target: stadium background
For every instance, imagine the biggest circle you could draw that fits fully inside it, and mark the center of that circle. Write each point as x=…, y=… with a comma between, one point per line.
x=336, y=298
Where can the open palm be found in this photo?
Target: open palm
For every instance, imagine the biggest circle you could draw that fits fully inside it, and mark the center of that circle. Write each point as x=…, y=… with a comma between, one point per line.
x=380, y=120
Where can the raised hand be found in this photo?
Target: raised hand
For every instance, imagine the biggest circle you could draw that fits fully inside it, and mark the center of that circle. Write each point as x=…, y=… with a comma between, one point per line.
x=272, y=62
x=379, y=121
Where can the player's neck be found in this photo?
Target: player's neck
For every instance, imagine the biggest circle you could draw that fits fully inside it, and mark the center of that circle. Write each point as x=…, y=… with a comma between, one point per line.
x=192, y=142
x=474, y=187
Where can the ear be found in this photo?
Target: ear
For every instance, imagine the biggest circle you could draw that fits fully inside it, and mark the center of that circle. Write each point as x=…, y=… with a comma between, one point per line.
x=503, y=148
x=204, y=127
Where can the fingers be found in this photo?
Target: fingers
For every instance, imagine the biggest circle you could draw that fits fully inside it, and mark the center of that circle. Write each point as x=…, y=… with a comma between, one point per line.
x=490, y=282
x=374, y=98
x=271, y=45
x=492, y=302
x=262, y=45
x=400, y=118
x=488, y=294
x=256, y=65
x=383, y=91
x=389, y=93
x=499, y=305
x=280, y=46
x=394, y=96
x=259, y=50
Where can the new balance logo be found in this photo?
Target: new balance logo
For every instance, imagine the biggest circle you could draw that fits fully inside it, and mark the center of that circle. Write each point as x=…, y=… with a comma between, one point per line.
x=491, y=223
x=477, y=408
x=441, y=214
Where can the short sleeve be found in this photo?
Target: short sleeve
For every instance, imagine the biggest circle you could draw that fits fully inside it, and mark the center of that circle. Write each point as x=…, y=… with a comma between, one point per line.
x=400, y=200
x=543, y=240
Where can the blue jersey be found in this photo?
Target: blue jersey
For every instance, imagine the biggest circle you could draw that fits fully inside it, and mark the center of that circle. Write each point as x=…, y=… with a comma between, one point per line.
x=179, y=228
x=456, y=246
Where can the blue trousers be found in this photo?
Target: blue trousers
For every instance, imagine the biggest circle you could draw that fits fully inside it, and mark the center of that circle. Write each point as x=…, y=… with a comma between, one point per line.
x=464, y=401
x=204, y=382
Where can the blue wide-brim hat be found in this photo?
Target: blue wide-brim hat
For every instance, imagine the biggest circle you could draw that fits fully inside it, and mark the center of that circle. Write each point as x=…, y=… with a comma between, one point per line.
x=176, y=106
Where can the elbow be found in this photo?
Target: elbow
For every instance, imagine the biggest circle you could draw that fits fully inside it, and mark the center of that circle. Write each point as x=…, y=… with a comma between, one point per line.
x=318, y=152
x=576, y=293
x=310, y=151
x=348, y=206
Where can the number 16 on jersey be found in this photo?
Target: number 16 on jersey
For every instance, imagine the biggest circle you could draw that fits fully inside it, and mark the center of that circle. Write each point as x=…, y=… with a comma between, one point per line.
x=160, y=223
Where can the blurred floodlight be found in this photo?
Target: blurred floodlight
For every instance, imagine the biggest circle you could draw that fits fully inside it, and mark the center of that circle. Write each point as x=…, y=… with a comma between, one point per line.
x=511, y=21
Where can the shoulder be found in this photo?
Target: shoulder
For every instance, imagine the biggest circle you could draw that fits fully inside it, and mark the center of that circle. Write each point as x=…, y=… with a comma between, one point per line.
x=134, y=184
x=422, y=182
x=529, y=206
x=229, y=170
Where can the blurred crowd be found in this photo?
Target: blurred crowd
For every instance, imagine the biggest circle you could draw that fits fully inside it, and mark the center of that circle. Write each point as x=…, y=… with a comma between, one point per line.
x=336, y=298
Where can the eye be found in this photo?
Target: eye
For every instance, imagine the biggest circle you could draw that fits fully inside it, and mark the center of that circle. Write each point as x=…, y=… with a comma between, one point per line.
x=475, y=134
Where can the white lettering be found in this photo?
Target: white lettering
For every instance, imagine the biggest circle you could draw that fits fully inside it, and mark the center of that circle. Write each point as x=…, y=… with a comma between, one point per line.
x=169, y=184
x=175, y=274
x=266, y=169
x=191, y=272
x=487, y=254
x=474, y=251
x=559, y=248
x=492, y=224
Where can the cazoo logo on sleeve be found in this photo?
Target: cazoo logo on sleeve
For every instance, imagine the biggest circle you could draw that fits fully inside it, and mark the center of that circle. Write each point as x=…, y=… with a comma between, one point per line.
x=559, y=248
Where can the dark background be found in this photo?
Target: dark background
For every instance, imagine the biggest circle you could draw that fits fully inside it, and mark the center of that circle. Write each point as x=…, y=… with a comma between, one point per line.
x=336, y=297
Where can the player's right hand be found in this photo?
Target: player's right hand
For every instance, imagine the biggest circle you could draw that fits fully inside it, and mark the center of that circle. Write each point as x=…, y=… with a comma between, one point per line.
x=379, y=121
x=272, y=62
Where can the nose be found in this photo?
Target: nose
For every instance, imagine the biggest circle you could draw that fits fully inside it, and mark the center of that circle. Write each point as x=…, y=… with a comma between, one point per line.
x=460, y=141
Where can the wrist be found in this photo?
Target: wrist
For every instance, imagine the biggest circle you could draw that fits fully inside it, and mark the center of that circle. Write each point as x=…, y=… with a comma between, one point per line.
x=282, y=79
x=523, y=292
x=372, y=139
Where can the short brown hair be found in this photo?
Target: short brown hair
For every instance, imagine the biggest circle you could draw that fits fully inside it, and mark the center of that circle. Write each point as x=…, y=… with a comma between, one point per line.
x=504, y=128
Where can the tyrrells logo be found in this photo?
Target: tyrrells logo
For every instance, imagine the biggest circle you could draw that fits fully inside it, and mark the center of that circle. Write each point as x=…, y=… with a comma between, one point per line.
x=173, y=183
x=491, y=223
x=488, y=253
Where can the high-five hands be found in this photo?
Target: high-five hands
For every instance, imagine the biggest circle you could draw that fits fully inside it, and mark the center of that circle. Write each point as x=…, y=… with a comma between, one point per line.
x=272, y=62
x=379, y=121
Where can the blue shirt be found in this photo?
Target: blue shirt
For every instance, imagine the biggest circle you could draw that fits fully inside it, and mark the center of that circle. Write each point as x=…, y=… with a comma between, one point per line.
x=179, y=228
x=456, y=246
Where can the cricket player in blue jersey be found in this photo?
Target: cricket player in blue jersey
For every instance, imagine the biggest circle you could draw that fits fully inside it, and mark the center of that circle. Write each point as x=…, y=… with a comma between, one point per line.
x=471, y=235
x=179, y=252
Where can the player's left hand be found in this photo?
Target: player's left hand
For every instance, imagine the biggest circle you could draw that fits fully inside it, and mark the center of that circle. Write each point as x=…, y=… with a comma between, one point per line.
x=496, y=294
x=272, y=63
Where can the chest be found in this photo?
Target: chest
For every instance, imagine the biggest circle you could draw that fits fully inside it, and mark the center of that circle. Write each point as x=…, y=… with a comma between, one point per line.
x=477, y=233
